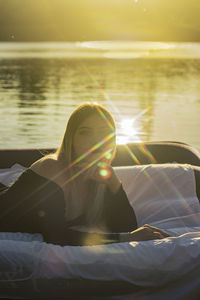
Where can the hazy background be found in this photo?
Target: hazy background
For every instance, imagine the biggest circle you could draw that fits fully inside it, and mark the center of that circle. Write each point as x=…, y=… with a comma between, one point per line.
x=80, y=20
x=141, y=59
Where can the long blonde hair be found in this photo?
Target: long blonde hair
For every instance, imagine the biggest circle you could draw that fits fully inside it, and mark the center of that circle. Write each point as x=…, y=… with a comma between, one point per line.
x=80, y=114
x=65, y=153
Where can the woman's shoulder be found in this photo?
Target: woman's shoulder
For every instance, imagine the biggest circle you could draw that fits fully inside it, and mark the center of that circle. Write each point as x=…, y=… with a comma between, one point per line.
x=50, y=168
x=44, y=166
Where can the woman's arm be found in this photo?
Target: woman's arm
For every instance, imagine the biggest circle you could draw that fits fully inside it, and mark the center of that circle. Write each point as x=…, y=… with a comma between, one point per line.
x=29, y=203
x=118, y=214
x=144, y=233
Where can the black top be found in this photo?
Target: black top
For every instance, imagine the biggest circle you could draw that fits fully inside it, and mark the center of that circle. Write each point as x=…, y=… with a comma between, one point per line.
x=36, y=204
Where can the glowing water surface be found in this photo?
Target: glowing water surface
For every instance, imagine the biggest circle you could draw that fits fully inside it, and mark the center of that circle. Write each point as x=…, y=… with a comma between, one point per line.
x=152, y=89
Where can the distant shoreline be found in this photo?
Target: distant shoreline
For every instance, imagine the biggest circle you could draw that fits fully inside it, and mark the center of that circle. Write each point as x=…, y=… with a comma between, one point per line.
x=100, y=49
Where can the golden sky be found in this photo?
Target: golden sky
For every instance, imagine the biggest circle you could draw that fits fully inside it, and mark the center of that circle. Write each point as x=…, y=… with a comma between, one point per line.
x=82, y=20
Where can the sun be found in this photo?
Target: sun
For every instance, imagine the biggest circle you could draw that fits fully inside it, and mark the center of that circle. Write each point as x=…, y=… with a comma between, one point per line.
x=127, y=131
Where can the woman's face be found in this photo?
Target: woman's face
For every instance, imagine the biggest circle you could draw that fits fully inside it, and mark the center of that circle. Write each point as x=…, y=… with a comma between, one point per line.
x=89, y=133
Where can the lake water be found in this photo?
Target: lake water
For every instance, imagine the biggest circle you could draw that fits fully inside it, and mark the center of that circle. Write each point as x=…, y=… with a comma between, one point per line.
x=152, y=89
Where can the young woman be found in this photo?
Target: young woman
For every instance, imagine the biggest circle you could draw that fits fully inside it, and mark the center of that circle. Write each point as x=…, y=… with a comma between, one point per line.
x=76, y=185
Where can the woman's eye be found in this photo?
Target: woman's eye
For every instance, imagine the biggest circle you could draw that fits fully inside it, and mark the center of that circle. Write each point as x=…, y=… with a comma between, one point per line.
x=84, y=132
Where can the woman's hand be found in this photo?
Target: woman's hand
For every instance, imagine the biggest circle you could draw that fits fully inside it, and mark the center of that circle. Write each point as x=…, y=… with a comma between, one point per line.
x=102, y=172
x=144, y=233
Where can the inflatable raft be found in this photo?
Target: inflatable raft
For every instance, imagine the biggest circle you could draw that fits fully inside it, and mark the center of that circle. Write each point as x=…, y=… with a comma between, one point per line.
x=27, y=272
x=130, y=154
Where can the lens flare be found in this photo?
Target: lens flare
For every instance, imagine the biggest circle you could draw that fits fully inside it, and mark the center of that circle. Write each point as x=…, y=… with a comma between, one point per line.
x=105, y=173
x=132, y=132
x=134, y=158
x=108, y=155
x=92, y=149
x=99, y=159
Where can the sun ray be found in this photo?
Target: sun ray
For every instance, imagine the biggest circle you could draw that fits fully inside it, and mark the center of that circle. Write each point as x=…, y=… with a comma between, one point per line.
x=89, y=165
x=132, y=155
x=100, y=88
x=147, y=153
x=92, y=149
x=144, y=150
